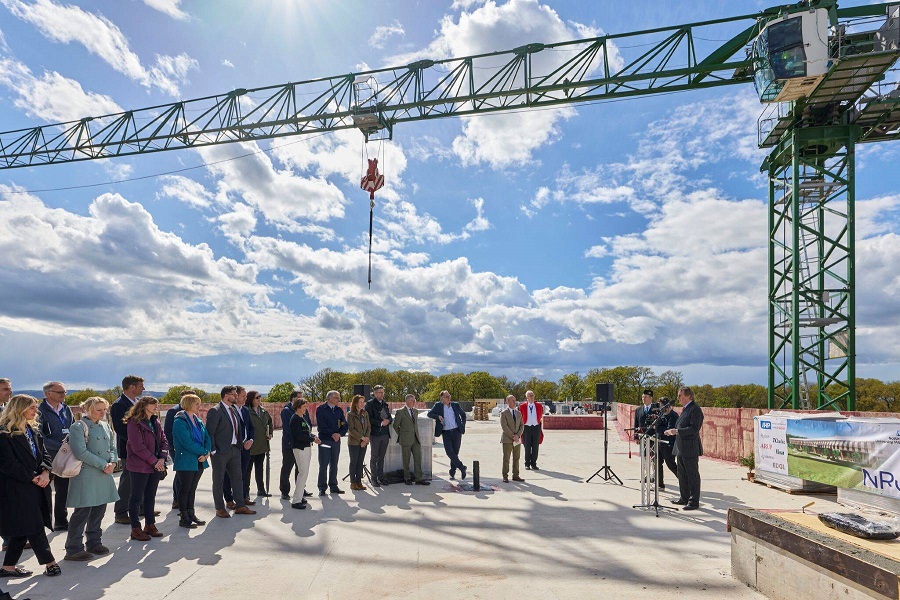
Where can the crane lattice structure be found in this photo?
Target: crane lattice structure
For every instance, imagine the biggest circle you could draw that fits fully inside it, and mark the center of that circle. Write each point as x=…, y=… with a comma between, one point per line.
x=820, y=110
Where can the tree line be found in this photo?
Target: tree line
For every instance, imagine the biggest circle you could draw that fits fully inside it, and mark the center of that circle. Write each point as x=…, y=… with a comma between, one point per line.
x=628, y=382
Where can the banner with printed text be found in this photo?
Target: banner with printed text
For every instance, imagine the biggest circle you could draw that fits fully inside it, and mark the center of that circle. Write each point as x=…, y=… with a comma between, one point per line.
x=860, y=454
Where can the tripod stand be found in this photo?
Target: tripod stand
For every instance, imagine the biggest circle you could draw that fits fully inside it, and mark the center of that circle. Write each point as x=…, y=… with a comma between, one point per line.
x=650, y=472
x=605, y=472
x=366, y=474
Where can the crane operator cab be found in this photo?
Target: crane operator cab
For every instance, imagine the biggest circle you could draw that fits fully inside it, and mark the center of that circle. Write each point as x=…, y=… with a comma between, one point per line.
x=790, y=56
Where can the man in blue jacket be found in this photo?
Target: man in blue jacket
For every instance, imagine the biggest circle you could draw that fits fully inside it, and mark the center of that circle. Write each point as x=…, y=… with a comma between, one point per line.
x=450, y=424
x=332, y=425
x=56, y=418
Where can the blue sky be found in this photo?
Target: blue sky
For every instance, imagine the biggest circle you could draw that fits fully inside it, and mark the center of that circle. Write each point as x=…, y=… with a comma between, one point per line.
x=529, y=244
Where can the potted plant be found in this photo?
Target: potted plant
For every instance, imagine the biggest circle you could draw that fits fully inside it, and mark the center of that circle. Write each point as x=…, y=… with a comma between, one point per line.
x=750, y=463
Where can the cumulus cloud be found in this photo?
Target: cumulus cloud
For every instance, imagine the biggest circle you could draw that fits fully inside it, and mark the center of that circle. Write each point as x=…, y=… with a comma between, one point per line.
x=227, y=63
x=505, y=140
x=101, y=37
x=51, y=97
x=94, y=277
x=383, y=32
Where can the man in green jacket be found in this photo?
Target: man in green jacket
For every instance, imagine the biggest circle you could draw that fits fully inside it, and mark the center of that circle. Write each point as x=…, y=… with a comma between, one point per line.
x=406, y=424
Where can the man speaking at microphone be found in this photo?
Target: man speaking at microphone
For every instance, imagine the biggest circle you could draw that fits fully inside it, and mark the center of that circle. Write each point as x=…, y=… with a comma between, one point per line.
x=688, y=449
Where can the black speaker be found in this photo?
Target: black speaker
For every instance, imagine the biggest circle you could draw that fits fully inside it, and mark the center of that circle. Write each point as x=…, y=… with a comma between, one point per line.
x=362, y=389
x=604, y=394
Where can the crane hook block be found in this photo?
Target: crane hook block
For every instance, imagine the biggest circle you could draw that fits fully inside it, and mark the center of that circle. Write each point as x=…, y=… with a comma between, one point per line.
x=373, y=180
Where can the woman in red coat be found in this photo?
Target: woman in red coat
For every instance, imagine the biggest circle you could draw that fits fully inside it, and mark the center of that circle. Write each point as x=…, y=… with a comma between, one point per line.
x=146, y=460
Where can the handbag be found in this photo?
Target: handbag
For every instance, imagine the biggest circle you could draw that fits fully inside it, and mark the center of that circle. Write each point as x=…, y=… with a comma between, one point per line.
x=65, y=464
x=165, y=471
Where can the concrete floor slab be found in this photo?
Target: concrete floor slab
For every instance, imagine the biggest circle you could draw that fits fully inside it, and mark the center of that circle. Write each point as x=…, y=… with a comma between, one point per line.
x=553, y=536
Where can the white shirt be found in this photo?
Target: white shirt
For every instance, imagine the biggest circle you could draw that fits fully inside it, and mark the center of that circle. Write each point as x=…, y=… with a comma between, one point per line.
x=532, y=414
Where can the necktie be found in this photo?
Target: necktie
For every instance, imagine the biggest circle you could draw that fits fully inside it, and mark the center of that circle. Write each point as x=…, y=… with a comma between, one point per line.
x=233, y=422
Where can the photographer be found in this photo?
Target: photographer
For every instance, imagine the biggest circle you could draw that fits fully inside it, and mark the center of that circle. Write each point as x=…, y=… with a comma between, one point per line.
x=666, y=420
x=642, y=415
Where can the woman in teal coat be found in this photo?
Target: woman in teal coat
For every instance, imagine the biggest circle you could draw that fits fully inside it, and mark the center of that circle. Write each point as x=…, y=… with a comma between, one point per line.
x=92, y=443
x=192, y=447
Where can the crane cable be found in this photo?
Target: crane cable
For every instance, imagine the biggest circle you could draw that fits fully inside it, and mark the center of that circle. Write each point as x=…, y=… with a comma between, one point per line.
x=364, y=157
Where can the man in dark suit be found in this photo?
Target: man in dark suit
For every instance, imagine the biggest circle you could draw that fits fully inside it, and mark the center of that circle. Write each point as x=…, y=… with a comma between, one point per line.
x=688, y=449
x=287, y=452
x=56, y=418
x=227, y=434
x=406, y=424
x=380, y=418
x=232, y=492
x=132, y=388
x=667, y=420
x=450, y=424
x=642, y=413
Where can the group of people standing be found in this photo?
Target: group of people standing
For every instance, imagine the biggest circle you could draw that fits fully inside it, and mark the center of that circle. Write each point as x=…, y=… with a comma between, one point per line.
x=679, y=445
x=233, y=441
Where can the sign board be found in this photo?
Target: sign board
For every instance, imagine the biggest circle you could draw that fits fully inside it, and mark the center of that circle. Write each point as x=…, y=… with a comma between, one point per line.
x=855, y=453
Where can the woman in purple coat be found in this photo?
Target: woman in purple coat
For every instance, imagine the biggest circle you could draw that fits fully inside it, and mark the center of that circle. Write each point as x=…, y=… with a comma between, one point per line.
x=146, y=460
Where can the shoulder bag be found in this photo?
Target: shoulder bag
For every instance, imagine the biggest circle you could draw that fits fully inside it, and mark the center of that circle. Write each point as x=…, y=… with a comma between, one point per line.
x=65, y=464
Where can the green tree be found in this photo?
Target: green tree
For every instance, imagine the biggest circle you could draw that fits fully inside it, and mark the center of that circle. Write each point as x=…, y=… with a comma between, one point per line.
x=173, y=395
x=317, y=385
x=543, y=389
x=571, y=387
x=414, y=382
x=76, y=398
x=280, y=393
x=667, y=384
x=483, y=385
x=455, y=383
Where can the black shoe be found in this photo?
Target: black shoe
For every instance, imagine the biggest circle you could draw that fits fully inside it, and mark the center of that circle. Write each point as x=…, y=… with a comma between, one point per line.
x=322, y=493
x=691, y=507
x=376, y=483
x=385, y=482
x=423, y=482
x=678, y=501
x=463, y=471
x=307, y=494
x=662, y=486
x=534, y=467
x=337, y=491
x=185, y=521
x=528, y=467
x=299, y=505
x=17, y=572
x=452, y=474
x=408, y=482
x=287, y=496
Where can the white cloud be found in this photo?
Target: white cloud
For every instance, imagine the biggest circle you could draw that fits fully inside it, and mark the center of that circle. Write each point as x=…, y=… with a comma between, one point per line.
x=101, y=37
x=383, y=32
x=169, y=7
x=94, y=277
x=52, y=97
x=185, y=190
x=227, y=63
x=505, y=140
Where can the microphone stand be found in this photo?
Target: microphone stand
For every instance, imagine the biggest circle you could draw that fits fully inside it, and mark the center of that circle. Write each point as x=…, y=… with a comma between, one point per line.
x=650, y=470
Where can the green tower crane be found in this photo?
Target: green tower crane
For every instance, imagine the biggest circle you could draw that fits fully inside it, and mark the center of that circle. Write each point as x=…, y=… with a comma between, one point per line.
x=820, y=69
